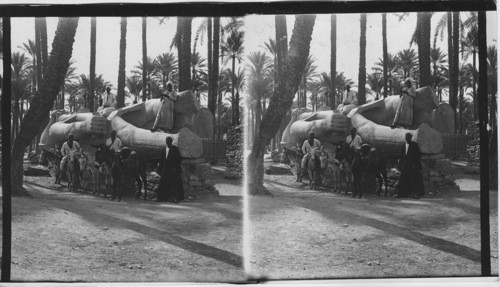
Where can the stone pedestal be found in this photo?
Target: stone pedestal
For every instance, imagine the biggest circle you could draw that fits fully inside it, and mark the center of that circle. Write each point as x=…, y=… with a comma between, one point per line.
x=197, y=179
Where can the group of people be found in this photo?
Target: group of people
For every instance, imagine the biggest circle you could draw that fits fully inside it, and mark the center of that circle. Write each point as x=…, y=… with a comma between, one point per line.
x=404, y=112
x=409, y=163
x=170, y=186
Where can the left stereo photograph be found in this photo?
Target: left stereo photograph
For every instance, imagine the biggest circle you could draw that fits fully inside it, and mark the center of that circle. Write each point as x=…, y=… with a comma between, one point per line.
x=127, y=159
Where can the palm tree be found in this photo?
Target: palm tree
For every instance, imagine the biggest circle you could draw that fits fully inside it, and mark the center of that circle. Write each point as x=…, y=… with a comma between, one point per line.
x=165, y=65
x=38, y=44
x=333, y=58
x=20, y=88
x=80, y=89
x=309, y=74
x=120, y=97
x=224, y=84
x=281, y=101
x=439, y=69
x=93, y=29
x=43, y=101
x=239, y=83
x=233, y=49
x=144, y=57
x=259, y=81
x=376, y=83
x=69, y=76
x=198, y=66
x=30, y=48
x=362, y=61
x=134, y=85
x=470, y=46
x=390, y=65
x=406, y=63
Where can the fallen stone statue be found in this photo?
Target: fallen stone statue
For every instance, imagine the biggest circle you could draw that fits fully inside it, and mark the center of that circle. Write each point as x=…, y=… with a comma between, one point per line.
x=372, y=121
x=132, y=124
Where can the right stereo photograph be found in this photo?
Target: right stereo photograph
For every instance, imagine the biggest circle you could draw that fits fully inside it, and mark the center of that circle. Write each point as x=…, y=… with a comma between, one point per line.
x=362, y=144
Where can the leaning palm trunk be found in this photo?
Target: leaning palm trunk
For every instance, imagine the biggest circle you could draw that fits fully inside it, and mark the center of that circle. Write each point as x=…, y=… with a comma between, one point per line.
x=281, y=100
x=42, y=102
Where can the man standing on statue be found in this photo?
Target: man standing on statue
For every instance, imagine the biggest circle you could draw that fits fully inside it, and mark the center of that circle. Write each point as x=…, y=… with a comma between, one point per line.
x=410, y=181
x=310, y=145
x=404, y=113
x=165, y=116
x=170, y=170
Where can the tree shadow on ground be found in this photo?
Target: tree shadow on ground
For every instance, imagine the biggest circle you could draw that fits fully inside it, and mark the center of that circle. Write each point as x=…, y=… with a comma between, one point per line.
x=98, y=218
x=343, y=214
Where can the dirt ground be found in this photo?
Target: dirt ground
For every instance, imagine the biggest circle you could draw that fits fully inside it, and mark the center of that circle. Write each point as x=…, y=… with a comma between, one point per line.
x=300, y=233
x=62, y=236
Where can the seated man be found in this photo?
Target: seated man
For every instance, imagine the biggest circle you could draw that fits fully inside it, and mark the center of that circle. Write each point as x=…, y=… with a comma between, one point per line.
x=68, y=147
x=310, y=145
x=109, y=99
x=349, y=101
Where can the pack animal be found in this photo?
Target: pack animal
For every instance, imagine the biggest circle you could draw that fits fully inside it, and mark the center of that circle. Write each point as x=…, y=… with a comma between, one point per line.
x=53, y=160
x=104, y=158
x=295, y=156
x=72, y=170
x=135, y=168
x=375, y=163
x=345, y=155
x=89, y=170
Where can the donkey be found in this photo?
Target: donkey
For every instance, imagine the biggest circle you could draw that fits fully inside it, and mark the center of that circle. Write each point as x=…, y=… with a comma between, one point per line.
x=54, y=160
x=295, y=156
x=72, y=170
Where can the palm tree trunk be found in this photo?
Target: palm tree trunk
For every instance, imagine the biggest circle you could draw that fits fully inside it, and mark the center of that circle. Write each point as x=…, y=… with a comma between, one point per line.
x=384, y=51
x=281, y=101
x=219, y=114
x=362, y=61
x=144, y=58
x=120, y=97
x=38, y=44
x=474, y=83
x=43, y=41
x=424, y=47
x=461, y=110
x=184, y=52
x=62, y=48
x=333, y=60
x=233, y=83
x=211, y=95
x=214, y=75
x=454, y=69
x=93, y=29
x=281, y=43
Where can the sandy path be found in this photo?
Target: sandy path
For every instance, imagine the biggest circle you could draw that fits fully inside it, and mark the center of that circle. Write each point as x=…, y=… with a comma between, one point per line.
x=316, y=234
x=65, y=236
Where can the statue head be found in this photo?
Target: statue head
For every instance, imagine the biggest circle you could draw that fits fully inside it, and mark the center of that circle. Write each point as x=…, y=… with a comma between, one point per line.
x=408, y=137
x=169, y=141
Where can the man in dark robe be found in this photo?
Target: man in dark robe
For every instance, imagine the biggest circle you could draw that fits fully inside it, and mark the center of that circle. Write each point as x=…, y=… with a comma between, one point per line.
x=170, y=170
x=410, y=181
